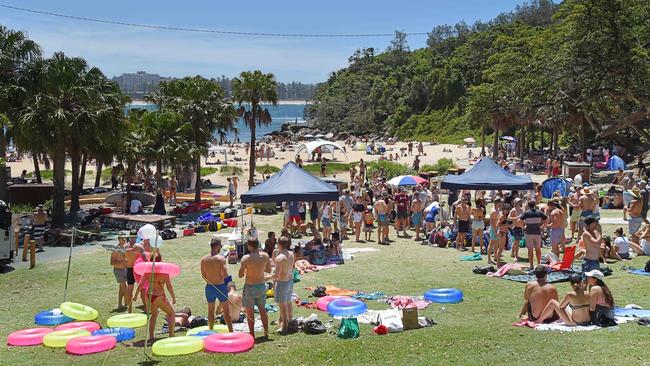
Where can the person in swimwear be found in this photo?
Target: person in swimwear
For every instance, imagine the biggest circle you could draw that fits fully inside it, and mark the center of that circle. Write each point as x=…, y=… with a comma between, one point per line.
x=253, y=267
x=587, y=204
x=416, y=215
x=118, y=261
x=494, y=220
x=517, y=226
x=537, y=295
x=381, y=210
x=462, y=214
x=214, y=272
x=574, y=308
x=478, y=222
x=368, y=221
x=157, y=282
x=302, y=265
x=131, y=252
x=574, y=204
x=503, y=227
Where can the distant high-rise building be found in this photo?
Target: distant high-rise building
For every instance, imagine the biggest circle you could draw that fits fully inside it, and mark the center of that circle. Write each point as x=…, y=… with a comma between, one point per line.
x=139, y=84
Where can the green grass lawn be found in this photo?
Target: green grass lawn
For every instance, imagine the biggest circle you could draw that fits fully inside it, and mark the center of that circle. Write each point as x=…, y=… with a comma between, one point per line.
x=332, y=168
x=476, y=331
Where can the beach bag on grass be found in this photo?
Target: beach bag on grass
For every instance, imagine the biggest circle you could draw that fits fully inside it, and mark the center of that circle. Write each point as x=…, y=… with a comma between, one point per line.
x=314, y=327
x=392, y=321
x=349, y=328
x=320, y=291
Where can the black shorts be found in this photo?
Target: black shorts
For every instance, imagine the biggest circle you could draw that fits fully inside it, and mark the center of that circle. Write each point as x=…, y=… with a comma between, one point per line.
x=402, y=214
x=464, y=227
x=130, y=280
x=303, y=216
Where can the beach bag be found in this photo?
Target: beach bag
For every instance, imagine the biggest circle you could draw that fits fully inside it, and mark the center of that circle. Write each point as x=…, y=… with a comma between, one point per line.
x=392, y=320
x=349, y=328
x=647, y=266
x=296, y=275
x=320, y=291
x=313, y=327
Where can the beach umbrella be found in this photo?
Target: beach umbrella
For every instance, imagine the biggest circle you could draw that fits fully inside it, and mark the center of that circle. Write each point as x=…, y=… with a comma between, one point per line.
x=431, y=206
x=329, y=135
x=320, y=135
x=508, y=138
x=406, y=180
x=309, y=136
x=470, y=140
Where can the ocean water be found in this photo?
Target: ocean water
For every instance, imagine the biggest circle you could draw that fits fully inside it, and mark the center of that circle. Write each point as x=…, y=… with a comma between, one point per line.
x=279, y=114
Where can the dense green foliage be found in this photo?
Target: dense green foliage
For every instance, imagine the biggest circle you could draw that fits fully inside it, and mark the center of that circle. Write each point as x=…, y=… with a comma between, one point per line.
x=267, y=169
x=581, y=66
x=391, y=169
x=441, y=166
x=331, y=168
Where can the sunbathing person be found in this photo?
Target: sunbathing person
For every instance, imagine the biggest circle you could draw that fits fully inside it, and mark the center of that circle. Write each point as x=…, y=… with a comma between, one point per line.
x=574, y=308
x=601, y=301
x=537, y=295
x=303, y=266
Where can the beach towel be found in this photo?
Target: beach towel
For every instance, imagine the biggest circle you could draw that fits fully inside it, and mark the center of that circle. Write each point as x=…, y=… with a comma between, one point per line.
x=552, y=277
x=508, y=268
x=335, y=291
x=406, y=302
x=270, y=308
x=369, y=296
x=473, y=257
x=636, y=313
x=639, y=272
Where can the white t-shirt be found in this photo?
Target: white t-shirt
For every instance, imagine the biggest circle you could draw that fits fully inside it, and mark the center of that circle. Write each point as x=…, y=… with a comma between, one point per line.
x=577, y=180
x=623, y=244
x=645, y=246
x=136, y=206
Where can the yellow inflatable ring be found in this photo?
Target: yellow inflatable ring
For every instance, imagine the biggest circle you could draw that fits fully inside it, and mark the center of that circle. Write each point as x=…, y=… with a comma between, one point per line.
x=127, y=321
x=59, y=338
x=78, y=311
x=175, y=346
x=217, y=328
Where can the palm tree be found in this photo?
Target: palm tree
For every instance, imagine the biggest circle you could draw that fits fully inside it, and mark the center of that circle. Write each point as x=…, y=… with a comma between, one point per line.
x=254, y=88
x=202, y=104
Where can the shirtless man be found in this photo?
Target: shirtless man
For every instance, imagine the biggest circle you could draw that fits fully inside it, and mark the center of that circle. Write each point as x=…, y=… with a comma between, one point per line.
x=494, y=221
x=172, y=190
x=537, y=295
x=283, y=276
x=462, y=214
x=118, y=261
x=362, y=170
x=478, y=223
x=633, y=214
x=587, y=204
x=38, y=219
x=556, y=225
x=157, y=283
x=381, y=211
x=234, y=304
x=517, y=226
x=592, y=240
x=574, y=203
x=131, y=252
x=214, y=272
x=416, y=215
x=253, y=266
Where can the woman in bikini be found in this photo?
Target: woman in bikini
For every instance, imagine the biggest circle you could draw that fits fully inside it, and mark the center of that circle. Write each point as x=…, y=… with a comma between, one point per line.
x=158, y=283
x=601, y=301
x=478, y=222
x=574, y=308
x=503, y=227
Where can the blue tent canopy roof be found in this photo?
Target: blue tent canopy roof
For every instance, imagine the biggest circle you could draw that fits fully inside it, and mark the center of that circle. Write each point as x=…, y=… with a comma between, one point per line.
x=486, y=174
x=291, y=184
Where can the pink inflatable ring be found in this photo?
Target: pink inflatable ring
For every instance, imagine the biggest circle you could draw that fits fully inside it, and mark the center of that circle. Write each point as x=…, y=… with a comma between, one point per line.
x=170, y=269
x=229, y=342
x=321, y=303
x=90, y=344
x=27, y=337
x=89, y=326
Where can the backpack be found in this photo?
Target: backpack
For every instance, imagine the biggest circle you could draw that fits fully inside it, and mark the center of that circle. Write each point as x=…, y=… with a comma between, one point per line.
x=319, y=291
x=349, y=328
x=313, y=327
x=647, y=266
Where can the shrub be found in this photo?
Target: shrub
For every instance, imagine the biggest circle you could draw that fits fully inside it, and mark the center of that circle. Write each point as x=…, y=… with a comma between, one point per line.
x=267, y=169
x=207, y=170
x=441, y=166
x=332, y=168
x=391, y=168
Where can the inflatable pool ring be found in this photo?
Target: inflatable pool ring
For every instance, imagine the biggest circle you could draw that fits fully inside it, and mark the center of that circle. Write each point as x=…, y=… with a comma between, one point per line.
x=229, y=342
x=27, y=337
x=203, y=333
x=51, y=317
x=60, y=338
x=90, y=344
x=321, y=303
x=217, y=328
x=346, y=307
x=120, y=334
x=89, y=326
x=444, y=295
x=170, y=269
x=175, y=346
x=78, y=311
x=127, y=321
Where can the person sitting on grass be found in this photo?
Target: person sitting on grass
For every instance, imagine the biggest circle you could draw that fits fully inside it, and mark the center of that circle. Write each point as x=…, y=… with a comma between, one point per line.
x=302, y=265
x=537, y=295
x=574, y=308
x=235, y=306
x=601, y=301
x=643, y=245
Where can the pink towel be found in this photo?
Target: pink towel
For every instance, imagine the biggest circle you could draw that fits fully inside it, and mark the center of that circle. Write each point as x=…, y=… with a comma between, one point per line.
x=406, y=302
x=504, y=269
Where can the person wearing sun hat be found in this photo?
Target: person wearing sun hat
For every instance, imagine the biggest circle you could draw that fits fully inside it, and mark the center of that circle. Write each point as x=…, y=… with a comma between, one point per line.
x=601, y=300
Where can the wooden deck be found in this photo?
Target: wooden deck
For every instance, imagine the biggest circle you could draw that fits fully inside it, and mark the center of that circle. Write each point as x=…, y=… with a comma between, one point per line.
x=134, y=221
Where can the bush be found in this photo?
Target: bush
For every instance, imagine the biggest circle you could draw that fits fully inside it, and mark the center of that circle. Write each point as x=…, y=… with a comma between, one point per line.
x=441, y=166
x=267, y=169
x=207, y=170
x=230, y=170
x=392, y=169
x=47, y=174
x=332, y=168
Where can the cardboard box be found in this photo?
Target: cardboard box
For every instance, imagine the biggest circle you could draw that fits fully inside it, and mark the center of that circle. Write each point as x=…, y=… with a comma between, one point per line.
x=410, y=318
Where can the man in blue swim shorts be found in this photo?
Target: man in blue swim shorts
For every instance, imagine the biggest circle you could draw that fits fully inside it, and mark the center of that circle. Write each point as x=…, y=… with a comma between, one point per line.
x=215, y=274
x=381, y=211
x=253, y=266
x=416, y=215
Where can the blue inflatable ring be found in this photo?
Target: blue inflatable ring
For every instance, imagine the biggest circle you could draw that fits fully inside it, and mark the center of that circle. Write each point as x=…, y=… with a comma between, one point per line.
x=47, y=317
x=346, y=307
x=203, y=333
x=444, y=295
x=121, y=334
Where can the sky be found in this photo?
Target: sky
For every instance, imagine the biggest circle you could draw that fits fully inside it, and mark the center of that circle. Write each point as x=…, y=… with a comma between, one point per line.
x=118, y=49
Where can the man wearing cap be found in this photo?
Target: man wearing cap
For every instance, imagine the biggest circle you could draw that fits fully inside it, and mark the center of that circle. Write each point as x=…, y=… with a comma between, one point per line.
x=556, y=225
x=118, y=261
x=215, y=272
x=592, y=240
x=633, y=213
x=587, y=204
x=39, y=218
x=537, y=295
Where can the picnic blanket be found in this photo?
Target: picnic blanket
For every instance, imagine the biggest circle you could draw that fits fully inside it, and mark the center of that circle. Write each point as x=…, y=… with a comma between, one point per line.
x=515, y=269
x=406, y=302
x=630, y=312
x=554, y=277
x=473, y=257
x=369, y=296
x=639, y=272
x=561, y=327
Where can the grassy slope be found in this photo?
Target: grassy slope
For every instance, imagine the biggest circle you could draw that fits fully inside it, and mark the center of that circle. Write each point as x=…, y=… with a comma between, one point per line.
x=475, y=331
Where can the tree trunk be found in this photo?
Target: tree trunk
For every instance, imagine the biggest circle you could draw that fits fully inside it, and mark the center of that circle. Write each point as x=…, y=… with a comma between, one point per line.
x=483, y=141
x=37, y=168
x=541, y=139
x=522, y=141
x=46, y=162
x=556, y=139
x=159, y=182
x=253, y=149
x=82, y=174
x=98, y=175
x=197, y=184
x=495, y=148
x=583, y=138
x=75, y=159
x=58, y=208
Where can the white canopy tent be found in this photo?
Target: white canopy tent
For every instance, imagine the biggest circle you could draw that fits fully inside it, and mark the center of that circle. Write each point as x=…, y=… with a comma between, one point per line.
x=219, y=149
x=324, y=145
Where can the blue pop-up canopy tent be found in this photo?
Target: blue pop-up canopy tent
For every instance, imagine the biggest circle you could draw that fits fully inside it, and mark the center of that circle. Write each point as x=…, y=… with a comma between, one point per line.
x=486, y=174
x=551, y=185
x=291, y=184
x=616, y=163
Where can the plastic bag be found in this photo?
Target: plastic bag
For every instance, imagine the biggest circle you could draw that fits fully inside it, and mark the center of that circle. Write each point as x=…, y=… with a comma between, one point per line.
x=349, y=328
x=392, y=320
